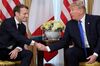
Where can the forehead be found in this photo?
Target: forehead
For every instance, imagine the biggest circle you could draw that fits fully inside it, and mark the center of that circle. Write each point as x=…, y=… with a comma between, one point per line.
x=23, y=10
x=73, y=7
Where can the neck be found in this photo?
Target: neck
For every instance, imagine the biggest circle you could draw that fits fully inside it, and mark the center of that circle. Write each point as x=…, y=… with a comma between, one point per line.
x=18, y=19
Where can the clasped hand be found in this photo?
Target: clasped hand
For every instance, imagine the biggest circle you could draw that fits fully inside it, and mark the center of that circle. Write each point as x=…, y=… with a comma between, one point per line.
x=41, y=47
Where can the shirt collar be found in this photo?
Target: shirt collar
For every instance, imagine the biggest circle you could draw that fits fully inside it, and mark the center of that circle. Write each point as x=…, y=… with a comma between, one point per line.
x=17, y=22
x=83, y=18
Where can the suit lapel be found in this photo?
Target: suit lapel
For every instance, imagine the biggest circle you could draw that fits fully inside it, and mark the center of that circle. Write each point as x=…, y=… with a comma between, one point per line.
x=87, y=26
x=22, y=30
x=14, y=23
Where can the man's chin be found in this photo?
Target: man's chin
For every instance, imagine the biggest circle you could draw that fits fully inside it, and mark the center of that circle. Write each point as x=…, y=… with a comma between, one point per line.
x=24, y=20
x=74, y=18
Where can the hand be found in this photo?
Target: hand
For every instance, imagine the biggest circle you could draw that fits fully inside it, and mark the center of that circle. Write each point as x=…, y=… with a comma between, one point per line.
x=26, y=47
x=41, y=47
x=14, y=53
x=91, y=59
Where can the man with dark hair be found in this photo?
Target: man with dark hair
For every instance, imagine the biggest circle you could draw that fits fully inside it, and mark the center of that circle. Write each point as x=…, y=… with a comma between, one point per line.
x=13, y=39
x=84, y=31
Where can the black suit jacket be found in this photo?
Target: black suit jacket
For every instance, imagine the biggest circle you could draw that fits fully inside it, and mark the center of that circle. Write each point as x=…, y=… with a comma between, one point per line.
x=92, y=27
x=9, y=34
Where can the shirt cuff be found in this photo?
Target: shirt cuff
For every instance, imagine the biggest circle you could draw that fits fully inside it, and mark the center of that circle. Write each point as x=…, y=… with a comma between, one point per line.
x=48, y=49
x=19, y=48
x=95, y=54
x=32, y=42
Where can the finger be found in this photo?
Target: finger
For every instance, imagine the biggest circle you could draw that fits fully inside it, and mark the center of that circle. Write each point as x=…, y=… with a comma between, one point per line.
x=15, y=56
x=40, y=46
x=45, y=49
x=26, y=47
x=10, y=53
x=89, y=62
x=88, y=58
x=11, y=56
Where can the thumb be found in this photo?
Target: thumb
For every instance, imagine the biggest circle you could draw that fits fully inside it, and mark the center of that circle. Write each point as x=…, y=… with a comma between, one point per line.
x=88, y=58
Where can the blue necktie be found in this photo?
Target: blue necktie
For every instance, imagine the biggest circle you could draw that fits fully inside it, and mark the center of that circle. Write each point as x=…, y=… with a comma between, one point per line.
x=82, y=36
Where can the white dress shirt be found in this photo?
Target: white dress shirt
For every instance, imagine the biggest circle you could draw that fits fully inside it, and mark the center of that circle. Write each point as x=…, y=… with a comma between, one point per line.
x=84, y=30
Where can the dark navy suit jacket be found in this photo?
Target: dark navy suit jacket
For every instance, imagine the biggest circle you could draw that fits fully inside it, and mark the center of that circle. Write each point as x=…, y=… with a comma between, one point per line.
x=92, y=27
x=9, y=34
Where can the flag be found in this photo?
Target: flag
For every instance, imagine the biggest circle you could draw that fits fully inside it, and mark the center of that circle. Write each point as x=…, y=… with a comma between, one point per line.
x=96, y=8
x=40, y=12
x=65, y=15
x=6, y=8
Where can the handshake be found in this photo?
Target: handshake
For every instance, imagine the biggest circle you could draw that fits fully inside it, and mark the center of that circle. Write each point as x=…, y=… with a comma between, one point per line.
x=41, y=46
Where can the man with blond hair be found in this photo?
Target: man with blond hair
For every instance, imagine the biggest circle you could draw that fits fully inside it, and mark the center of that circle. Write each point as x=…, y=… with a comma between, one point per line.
x=84, y=31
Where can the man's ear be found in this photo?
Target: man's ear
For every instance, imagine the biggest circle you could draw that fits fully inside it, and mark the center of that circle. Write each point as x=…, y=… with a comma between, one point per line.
x=16, y=13
x=81, y=11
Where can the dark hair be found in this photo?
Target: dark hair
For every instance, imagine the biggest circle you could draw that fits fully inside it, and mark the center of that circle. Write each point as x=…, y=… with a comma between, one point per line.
x=18, y=7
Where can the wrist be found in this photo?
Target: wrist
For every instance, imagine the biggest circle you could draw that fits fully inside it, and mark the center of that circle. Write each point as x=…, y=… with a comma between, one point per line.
x=17, y=49
x=95, y=54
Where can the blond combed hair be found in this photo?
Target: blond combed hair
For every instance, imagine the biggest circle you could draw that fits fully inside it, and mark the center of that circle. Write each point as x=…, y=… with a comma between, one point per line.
x=78, y=3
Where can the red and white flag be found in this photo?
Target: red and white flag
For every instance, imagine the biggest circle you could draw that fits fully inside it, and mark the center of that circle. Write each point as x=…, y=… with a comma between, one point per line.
x=6, y=8
x=40, y=12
